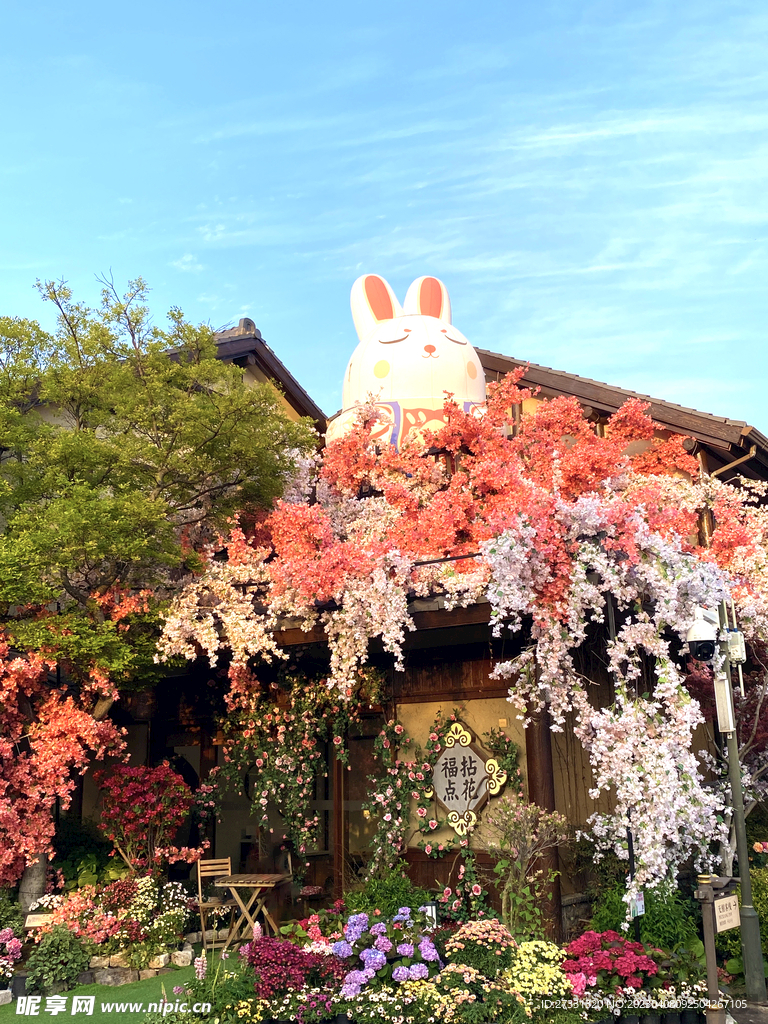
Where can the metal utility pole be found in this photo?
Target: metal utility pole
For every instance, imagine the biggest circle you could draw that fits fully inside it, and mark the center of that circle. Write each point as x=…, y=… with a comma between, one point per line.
x=752, y=954
x=751, y=951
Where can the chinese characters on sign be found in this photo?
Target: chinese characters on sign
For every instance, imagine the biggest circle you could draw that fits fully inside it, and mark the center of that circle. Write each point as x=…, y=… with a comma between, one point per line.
x=727, y=913
x=460, y=779
x=463, y=777
x=29, y=1006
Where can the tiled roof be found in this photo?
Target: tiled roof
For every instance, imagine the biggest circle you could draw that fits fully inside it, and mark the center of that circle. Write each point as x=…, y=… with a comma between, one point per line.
x=726, y=438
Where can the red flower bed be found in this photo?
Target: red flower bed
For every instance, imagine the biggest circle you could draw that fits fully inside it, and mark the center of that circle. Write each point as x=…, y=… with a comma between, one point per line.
x=281, y=967
x=608, y=962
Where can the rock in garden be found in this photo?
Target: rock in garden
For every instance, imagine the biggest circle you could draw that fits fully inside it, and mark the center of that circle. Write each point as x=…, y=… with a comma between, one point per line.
x=85, y=978
x=5, y=996
x=119, y=960
x=181, y=958
x=194, y=937
x=159, y=961
x=97, y=962
x=115, y=976
x=187, y=948
x=147, y=973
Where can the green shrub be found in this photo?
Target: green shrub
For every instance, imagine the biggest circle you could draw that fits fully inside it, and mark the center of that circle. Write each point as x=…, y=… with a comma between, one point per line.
x=58, y=960
x=10, y=912
x=729, y=943
x=670, y=918
x=387, y=894
x=83, y=855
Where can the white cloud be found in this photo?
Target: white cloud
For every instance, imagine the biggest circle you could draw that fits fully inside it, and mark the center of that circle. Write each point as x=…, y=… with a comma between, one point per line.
x=188, y=263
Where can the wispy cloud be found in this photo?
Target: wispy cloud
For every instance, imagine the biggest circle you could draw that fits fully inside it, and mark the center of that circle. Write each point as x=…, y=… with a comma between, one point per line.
x=188, y=263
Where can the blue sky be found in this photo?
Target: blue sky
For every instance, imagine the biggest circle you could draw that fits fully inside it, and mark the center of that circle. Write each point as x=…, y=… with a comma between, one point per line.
x=588, y=178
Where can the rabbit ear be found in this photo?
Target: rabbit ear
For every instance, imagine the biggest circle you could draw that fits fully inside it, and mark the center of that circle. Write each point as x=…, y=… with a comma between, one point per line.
x=428, y=296
x=372, y=301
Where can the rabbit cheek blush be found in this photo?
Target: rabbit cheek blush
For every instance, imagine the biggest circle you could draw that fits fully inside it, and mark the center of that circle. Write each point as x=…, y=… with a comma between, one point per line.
x=407, y=359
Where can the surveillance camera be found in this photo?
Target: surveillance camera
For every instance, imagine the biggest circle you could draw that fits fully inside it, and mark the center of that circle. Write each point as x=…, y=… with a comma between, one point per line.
x=702, y=635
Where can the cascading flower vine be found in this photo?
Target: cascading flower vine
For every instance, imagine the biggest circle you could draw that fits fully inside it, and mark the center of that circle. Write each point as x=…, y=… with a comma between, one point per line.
x=569, y=535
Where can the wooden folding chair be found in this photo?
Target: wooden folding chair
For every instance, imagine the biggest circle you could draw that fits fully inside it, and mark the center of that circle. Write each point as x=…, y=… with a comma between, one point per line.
x=207, y=870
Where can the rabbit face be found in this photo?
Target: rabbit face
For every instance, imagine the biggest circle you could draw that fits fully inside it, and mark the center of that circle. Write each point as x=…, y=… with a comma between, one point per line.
x=412, y=354
x=414, y=358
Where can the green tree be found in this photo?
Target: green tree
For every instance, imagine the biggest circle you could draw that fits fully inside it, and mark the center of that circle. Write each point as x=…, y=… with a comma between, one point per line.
x=123, y=446
x=124, y=449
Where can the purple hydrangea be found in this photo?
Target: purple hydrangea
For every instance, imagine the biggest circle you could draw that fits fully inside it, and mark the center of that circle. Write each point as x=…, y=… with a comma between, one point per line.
x=400, y=974
x=403, y=914
x=373, y=959
x=405, y=949
x=383, y=944
x=355, y=927
x=342, y=949
x=417, y=972
x=428, y=951
x=353, y=982
x=379, y=928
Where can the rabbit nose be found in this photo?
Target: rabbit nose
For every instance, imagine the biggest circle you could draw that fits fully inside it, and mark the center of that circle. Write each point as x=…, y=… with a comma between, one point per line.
x=430, y=349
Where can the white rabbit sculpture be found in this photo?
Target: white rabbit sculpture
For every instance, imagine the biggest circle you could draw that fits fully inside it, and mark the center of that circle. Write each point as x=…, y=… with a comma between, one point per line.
x=408, y=357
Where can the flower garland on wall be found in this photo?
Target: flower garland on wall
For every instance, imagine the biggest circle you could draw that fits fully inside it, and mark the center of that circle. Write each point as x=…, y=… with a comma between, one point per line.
x=402, y=798
x=402, y=801
x=572, y=528
x=280, y=732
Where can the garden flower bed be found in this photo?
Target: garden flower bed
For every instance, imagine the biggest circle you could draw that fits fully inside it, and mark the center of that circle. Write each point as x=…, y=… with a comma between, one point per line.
x=371, y=967
x=335, y=966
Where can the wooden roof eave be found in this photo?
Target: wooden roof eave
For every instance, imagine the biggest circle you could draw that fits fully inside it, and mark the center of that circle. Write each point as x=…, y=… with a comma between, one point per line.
x=426, y=615
x=245, y=346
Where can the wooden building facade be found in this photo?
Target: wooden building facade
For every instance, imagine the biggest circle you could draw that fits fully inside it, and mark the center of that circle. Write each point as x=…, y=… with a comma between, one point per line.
x=449, y=657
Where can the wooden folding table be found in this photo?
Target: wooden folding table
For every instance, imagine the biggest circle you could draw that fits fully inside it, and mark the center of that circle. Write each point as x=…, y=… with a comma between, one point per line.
x=255, y=888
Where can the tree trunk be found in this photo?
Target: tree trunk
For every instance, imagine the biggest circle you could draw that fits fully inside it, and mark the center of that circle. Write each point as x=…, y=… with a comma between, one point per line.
x=541, y=791
x=33, y=882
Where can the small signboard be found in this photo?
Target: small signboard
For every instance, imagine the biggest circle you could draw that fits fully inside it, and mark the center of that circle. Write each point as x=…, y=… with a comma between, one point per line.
x=727, y=913
x=37, y=920
x=463, y=778
x=637, y=905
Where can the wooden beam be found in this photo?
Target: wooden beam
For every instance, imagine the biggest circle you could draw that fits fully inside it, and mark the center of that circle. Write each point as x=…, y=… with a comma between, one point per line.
x=439, y=618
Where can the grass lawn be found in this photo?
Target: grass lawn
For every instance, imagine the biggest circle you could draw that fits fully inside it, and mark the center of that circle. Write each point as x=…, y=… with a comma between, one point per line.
x=143, y=992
